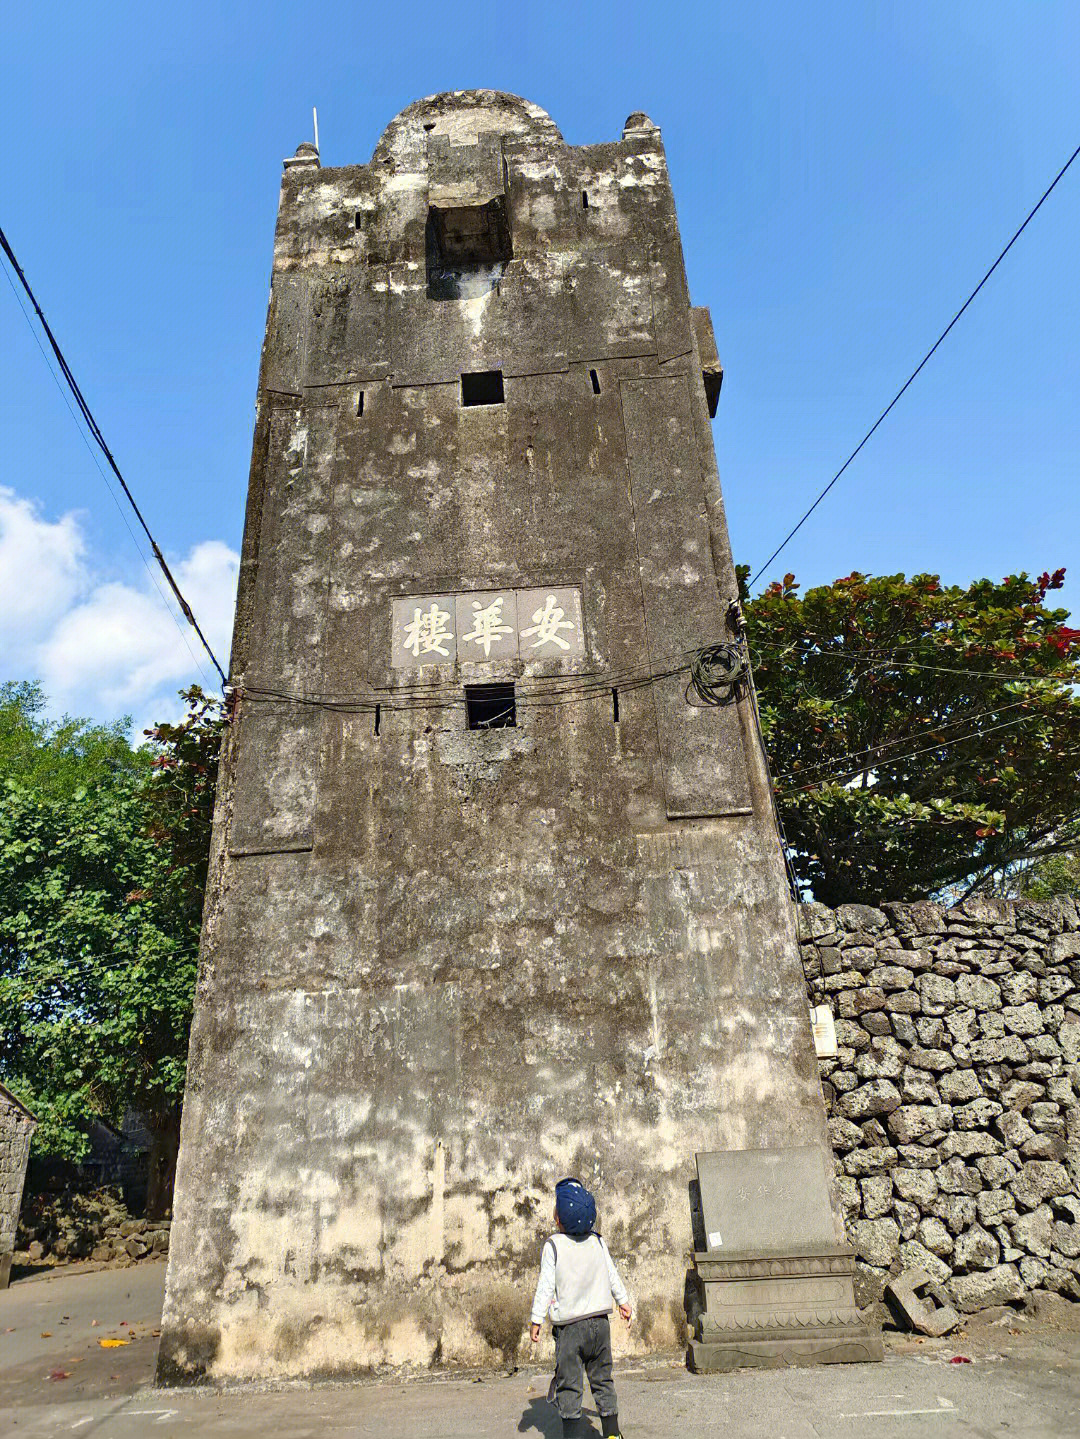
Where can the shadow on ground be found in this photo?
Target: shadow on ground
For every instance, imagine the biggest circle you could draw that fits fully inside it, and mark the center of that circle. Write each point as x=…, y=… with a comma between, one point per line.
x=541, y=1417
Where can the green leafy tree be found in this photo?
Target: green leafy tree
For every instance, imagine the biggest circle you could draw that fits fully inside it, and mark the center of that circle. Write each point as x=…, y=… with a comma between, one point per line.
x=181, y=796
x=58, y=758
x=921, y=736
x=99, y=916
x=1046, y=878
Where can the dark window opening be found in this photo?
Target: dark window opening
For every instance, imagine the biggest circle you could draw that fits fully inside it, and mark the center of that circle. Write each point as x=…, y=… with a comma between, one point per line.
x=430, y=125
x=595, y=378
x=360, y=403
x=490, y=706
x=485, y=387
x=357, y=220
x=615, y=706
x=378, y=719
x=584, y=199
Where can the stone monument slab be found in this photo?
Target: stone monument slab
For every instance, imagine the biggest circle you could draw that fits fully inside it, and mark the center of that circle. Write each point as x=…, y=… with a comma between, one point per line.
x=763, y=1199
x=778, y=1277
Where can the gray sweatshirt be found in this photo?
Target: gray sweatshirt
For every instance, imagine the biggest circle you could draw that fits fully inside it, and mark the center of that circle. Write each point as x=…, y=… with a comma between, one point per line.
x=577, y=1280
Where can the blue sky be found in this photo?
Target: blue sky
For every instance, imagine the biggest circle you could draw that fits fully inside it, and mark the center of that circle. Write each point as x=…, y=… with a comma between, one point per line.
x=844, y=174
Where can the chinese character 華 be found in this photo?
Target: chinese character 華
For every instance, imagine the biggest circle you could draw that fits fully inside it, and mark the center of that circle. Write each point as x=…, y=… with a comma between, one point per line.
x=488, y=624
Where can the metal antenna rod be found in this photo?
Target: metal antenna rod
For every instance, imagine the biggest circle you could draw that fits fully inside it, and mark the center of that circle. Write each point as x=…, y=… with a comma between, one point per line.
x=315, y=118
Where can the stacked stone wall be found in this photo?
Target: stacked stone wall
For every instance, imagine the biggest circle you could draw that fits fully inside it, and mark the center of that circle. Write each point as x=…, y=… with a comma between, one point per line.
x=61, y=1228
x=954, y=1098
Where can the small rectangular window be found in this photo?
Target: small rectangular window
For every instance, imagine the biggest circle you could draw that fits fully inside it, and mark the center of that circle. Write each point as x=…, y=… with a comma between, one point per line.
x=360, y=403
x=378, y=719
x=584, y=199
x=490, y=706
x=595, y=378
x=615, y=706
x=485, y=387
x=357, y=220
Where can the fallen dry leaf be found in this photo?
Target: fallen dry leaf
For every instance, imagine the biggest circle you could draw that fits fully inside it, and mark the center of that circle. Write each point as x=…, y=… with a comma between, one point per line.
x=46, y=1334
x=94, y=1323
x=113, y=1343
x=59, y=1374
x=155, y=1333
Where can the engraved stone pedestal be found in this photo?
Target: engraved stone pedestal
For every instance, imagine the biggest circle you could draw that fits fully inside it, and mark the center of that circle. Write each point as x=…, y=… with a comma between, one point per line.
x=778, y=1282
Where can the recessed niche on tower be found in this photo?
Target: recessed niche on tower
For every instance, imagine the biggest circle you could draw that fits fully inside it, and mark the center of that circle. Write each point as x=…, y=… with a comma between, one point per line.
x=468, y=248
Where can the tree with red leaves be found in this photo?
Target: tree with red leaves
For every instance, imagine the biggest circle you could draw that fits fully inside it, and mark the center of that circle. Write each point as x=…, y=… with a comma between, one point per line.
x=921, y=736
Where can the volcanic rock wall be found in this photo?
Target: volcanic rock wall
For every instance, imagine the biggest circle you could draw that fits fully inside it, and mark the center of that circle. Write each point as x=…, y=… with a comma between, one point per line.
x=953, y=1098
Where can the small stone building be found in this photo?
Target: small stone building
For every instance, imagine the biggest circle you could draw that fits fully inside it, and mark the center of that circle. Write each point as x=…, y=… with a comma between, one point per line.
x=17, y=1127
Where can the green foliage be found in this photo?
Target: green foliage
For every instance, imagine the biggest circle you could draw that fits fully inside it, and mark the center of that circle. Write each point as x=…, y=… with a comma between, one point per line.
x=181, y=795
x=1046, y=878
x=57, y=759
x=98, y=914
x=920, y=736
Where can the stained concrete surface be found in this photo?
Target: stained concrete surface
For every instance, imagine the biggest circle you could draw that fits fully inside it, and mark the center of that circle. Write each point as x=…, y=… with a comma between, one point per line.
x=441, y=966
x=1024, y=1380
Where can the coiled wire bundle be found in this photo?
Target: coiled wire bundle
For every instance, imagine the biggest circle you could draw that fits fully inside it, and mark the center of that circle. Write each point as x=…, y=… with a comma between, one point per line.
x=715, y=672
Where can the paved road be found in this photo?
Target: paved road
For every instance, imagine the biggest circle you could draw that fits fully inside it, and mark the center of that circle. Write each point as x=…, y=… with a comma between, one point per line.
x=1023, y=1383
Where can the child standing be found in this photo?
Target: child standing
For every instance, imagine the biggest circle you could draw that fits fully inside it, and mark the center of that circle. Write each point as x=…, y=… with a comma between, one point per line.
x=577, y=1283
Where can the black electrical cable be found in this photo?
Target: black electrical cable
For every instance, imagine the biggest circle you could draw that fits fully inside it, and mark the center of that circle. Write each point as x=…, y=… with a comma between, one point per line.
x=95, y=457
x=875, y=755
x=918, y=368
x=880, y=660
x=554, y=690
x=588, y=684
x=715, y=672
x=911, y=754
x=99, y=439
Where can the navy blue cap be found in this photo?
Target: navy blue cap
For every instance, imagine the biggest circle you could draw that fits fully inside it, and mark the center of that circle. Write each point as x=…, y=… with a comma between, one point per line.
x=575, y=1207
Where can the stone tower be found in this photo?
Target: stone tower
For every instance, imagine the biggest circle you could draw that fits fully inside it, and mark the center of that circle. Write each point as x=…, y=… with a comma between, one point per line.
x=493, y=897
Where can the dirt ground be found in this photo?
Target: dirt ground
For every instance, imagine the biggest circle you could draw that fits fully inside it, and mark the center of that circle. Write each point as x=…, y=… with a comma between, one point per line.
x=56, y=1378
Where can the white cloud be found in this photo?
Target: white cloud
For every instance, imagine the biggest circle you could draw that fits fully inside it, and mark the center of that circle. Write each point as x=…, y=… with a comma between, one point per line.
x=41, y=570
x=103, y=646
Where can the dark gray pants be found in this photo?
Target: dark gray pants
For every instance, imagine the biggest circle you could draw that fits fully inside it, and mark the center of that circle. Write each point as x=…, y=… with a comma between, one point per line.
x=584, y=1345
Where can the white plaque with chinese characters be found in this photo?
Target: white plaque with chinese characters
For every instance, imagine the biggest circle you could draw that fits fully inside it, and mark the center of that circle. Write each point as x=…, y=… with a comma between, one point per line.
x=483, y=625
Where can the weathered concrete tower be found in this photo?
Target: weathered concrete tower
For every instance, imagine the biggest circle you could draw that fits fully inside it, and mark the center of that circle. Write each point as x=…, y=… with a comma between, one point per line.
x=491, y=902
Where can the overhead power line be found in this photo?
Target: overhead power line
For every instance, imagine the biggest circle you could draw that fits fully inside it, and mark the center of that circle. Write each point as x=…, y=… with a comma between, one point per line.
x=99, y=439
x=545, y=691
x=917, y=370
x=887, y=760
x=96, y=460
x=872, y=756
x=880, y=660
